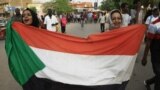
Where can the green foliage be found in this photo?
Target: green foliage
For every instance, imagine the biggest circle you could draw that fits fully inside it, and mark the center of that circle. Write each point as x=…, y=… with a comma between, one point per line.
x=60, y=6
x=49, y=5
x=34, y=9
x=109, y=5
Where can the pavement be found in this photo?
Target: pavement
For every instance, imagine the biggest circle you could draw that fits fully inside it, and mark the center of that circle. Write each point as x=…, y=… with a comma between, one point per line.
x=140, y=72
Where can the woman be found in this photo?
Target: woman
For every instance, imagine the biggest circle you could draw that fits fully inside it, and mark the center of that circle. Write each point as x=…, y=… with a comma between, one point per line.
x=115, y=19
x=63, y=24
x=29, y=17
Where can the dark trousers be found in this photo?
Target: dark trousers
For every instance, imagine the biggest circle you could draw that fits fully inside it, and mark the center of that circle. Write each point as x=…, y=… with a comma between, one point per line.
x=102, y=26
x=44, y=84
x=155, y=59
x=63, y=29
x=150, y=81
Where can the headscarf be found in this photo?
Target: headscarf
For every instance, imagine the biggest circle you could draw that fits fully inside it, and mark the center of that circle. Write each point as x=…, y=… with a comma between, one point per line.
x=111, y=25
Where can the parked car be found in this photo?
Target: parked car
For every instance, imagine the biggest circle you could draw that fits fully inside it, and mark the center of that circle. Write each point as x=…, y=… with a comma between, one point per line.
x=2, y=28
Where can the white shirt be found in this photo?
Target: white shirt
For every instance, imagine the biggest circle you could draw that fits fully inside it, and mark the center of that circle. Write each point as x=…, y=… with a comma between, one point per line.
x=133, y=13
x=154, y=28
x=49, y=21
x=102, y=19
x=150, y=19
x=126, y=19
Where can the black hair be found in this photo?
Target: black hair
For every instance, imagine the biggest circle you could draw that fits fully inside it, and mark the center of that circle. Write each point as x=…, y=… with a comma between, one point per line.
x=123, y=5
x=35, y=19
x=50, y=12
x=155, y=10
x=136, y=1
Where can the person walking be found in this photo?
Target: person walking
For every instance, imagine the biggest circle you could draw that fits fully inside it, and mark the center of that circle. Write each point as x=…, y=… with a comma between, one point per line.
x=82, y=19
x=149, y=21
x=50, y=21
x=63, y=24
x=102, y=21
x=153, y=44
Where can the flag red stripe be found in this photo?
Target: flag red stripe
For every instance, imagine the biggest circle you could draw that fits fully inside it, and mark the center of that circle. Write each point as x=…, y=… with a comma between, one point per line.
x=156, y=21
x=123, y=41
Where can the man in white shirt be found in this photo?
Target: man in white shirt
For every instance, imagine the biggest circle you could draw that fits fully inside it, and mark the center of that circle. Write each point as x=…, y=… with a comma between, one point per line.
x=102, y=21
x=125, y=15
x=153, y=17
x=50, y=21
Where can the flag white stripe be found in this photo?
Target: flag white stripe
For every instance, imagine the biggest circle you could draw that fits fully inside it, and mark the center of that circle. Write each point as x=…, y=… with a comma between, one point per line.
x=85, y=70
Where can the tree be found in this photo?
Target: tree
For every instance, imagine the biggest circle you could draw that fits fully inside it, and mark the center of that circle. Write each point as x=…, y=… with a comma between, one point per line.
x=109, y=5
x=34, y=9
x=60, y=6
x=49, y=5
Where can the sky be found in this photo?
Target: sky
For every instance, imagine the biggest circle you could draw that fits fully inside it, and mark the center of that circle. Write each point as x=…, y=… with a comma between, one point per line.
x=99, y=1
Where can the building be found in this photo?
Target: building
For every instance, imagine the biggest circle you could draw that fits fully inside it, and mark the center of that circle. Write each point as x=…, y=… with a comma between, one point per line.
x=10, y=5
x=81, y=6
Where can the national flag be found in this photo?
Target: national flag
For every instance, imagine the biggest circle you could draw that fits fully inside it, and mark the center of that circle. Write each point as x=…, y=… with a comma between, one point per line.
x=100, y=59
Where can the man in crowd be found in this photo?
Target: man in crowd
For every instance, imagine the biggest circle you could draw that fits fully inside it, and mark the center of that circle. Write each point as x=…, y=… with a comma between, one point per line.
x=17, y=17
x=125, y=14
x=153, y=44
x=50, y=21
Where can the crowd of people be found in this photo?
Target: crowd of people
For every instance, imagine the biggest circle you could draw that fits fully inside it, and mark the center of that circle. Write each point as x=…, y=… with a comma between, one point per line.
x=115, y=18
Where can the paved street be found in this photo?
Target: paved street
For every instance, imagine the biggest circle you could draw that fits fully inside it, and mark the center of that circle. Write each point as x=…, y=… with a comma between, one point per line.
x=140, y=73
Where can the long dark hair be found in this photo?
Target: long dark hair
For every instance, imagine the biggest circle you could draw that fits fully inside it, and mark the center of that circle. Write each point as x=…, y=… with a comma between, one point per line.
x=35, y=19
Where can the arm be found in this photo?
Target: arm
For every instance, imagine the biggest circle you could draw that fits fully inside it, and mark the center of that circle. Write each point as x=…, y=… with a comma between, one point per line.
x=55, y=24
x=55, y=21
x=45, y=22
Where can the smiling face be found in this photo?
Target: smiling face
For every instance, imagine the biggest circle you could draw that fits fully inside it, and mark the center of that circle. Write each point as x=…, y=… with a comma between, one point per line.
x=27, y=17
x=116, y=19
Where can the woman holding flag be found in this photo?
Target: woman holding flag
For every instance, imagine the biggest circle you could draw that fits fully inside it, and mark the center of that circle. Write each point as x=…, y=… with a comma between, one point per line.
x=30, y=18
x=115, y=19
x=43, y=63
